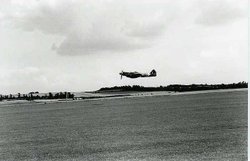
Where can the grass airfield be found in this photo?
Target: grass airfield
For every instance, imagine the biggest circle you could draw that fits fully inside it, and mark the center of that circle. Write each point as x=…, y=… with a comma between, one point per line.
x=195, y=126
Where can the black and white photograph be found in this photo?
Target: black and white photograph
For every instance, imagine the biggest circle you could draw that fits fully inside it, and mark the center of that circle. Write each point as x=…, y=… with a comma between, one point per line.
x=124, y=80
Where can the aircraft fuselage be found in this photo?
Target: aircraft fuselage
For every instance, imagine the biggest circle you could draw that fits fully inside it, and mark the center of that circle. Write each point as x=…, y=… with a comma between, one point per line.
x=137, y=74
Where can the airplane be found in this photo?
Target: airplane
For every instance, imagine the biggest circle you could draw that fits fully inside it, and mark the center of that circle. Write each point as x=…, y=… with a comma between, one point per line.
x=137, y=74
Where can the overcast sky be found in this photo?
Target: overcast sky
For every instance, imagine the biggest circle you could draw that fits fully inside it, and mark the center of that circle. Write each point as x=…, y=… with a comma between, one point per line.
x=79, y=45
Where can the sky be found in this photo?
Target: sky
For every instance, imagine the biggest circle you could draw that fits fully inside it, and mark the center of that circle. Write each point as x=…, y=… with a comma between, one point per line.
x=82, y=45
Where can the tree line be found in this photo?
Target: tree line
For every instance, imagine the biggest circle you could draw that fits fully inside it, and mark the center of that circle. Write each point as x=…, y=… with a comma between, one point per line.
x=177, y=87
x=36, y=95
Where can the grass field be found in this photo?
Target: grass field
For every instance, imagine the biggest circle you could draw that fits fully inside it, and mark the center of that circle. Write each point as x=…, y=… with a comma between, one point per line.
x=206, y=126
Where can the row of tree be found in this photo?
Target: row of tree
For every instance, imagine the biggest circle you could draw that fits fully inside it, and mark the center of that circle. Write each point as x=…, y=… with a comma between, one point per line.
x=36, y=95
x=176, y=87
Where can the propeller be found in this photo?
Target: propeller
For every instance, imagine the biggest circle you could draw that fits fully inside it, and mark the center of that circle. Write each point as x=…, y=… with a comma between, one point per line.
x=121, y=74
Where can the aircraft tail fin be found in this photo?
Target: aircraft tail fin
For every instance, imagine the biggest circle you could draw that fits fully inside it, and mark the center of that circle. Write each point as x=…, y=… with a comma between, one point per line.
x=153, y=73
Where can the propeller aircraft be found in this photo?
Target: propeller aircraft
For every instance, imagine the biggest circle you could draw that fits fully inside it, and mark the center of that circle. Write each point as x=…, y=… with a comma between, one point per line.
x=137, y=74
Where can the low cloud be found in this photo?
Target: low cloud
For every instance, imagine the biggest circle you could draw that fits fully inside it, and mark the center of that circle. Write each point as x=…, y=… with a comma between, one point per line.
x=219, y=12
x=90, y=27
x=94, y=27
